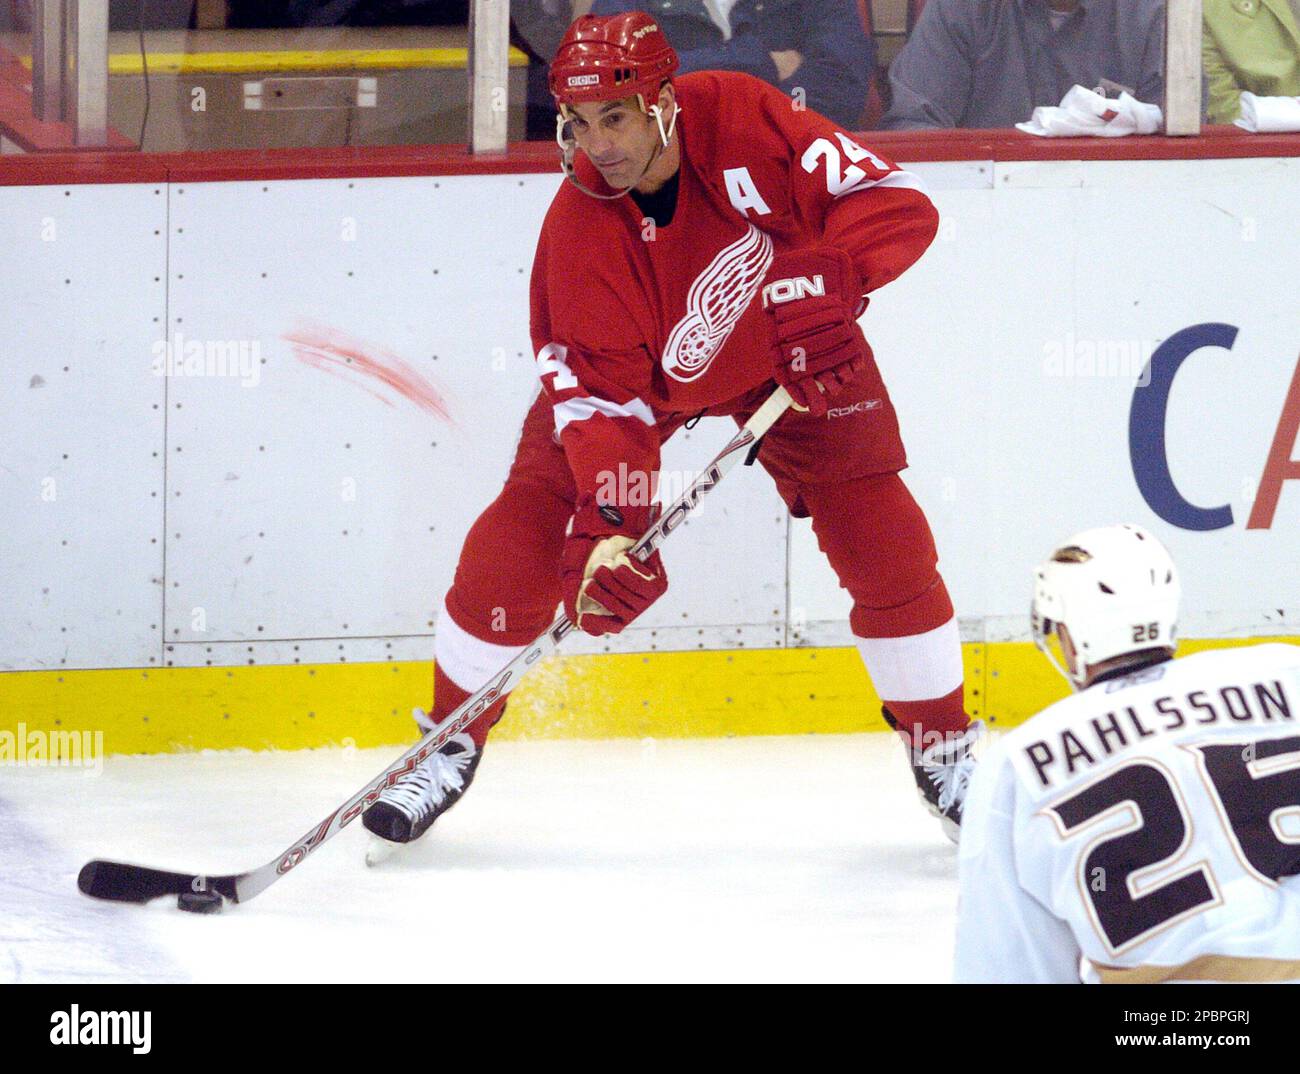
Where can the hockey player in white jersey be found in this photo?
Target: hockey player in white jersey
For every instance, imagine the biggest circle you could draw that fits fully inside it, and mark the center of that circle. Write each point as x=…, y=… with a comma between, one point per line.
x=1147, y=828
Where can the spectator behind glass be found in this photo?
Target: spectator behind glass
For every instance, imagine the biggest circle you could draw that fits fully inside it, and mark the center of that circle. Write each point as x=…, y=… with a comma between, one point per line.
x=537, y=27
x=990, y=63
x=1250, y=45
x=821, y=46
x=364, y=12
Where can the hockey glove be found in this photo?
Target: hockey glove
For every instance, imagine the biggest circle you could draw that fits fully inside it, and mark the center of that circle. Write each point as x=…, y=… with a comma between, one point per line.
x=814, y=299
x=604, y=588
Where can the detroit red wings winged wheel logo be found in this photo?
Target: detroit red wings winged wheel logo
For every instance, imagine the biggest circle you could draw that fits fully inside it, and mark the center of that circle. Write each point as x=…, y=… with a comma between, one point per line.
x=719, y=295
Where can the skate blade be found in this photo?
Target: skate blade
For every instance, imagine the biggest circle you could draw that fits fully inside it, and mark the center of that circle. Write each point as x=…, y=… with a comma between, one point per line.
x=379, y=851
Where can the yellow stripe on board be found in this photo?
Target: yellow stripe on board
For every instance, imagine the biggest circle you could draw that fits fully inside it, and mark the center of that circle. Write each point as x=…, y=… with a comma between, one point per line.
x=343, y=59
x=661, y=695
x=618, y=695
x=1021, y=683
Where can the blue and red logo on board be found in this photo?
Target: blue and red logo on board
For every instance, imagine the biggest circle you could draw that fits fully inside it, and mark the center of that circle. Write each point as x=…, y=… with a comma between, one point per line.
x=1146, y=438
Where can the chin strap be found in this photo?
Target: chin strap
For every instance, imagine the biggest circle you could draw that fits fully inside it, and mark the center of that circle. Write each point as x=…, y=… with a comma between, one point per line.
x=569, y=146
x=1044, y=646
x=1043, y=641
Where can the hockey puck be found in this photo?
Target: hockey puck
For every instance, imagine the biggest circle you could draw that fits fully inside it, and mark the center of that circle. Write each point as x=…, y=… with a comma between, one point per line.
x=199, y=902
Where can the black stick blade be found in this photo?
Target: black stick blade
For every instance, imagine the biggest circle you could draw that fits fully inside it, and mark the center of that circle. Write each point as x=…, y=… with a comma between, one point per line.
x=120, y=882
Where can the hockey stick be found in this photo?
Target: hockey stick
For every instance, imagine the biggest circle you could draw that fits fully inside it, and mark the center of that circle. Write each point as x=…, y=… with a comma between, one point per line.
x=135, y=883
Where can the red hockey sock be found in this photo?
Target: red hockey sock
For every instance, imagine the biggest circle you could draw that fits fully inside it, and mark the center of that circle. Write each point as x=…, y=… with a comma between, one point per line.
x=919, y=675
x=447, y=697
x=923, y=723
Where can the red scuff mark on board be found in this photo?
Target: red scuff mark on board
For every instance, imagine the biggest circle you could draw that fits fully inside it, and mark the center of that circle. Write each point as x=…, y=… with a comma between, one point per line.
x=372, y=369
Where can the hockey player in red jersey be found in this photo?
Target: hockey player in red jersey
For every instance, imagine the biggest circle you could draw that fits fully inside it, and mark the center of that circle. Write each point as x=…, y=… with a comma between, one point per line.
x=714, y=240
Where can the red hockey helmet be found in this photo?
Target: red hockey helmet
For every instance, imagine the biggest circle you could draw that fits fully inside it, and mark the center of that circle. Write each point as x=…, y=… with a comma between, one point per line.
x=605, y=58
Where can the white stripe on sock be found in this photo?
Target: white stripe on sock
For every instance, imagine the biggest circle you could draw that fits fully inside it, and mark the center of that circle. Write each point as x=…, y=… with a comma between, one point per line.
x=917, y=667
x=465, y=659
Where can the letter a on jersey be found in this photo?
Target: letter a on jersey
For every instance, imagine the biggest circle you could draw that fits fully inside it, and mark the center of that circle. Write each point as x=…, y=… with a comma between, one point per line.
x=743, y=192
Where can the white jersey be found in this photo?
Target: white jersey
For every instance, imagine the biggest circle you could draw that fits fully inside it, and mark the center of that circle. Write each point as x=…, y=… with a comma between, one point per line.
x=1145, y=829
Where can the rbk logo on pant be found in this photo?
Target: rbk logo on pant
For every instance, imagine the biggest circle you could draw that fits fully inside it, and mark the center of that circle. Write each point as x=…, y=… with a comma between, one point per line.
x=854, y=408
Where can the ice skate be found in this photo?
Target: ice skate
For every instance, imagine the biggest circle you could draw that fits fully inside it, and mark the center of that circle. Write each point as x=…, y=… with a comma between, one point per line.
x=407, y=809
x=942, y=772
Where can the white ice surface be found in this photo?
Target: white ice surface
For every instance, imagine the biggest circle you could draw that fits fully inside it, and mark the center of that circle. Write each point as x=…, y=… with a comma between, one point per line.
x=749, y=859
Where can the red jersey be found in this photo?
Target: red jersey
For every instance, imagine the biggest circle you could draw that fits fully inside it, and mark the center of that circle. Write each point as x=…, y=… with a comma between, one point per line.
x=632, y=322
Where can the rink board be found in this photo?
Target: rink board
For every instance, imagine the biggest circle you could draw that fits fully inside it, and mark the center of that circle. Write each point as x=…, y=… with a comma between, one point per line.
x=254, y=553
x=631, y=695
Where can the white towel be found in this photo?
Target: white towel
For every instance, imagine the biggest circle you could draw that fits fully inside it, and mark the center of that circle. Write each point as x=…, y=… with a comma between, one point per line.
x=1269, y=114
x=1087, y=112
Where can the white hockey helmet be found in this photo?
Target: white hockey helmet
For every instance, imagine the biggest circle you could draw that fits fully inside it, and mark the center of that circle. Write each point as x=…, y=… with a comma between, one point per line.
x=1115, y=589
